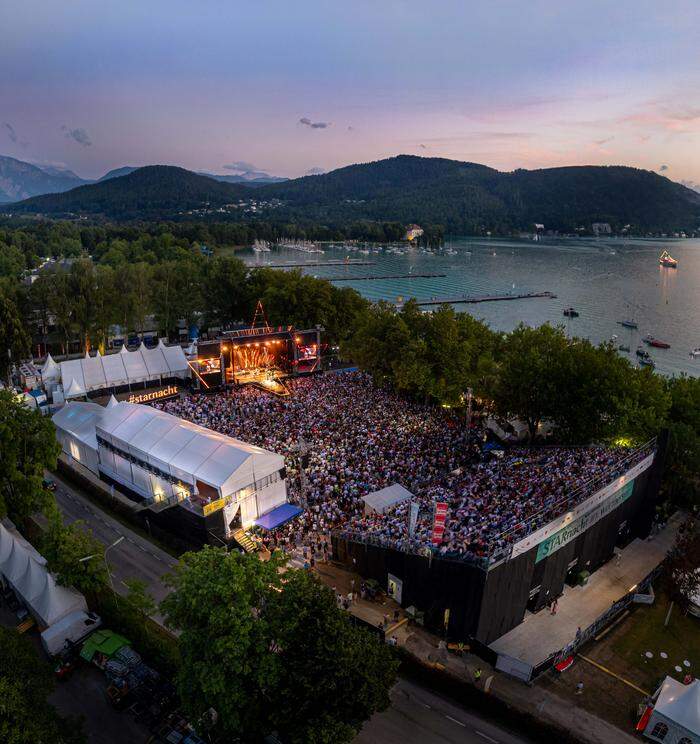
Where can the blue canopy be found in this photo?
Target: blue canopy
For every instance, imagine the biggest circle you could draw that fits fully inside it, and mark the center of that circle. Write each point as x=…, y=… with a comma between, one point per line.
x=275, y=517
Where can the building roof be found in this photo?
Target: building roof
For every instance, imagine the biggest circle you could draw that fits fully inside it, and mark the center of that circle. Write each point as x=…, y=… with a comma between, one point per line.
x=380, y=501
x=680, y=703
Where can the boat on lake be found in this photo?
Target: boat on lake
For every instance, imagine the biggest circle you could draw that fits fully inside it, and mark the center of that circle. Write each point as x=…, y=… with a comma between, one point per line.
x=628, y=323
x=571, y=313
x=642, y=353
x=695, y=353
x=656, y=343
x=647, y=362
x=668, y=261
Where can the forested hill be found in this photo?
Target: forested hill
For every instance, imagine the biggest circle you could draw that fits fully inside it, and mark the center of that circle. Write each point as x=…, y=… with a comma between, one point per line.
x=464, y=197
x=152, y=191
x=467, y=197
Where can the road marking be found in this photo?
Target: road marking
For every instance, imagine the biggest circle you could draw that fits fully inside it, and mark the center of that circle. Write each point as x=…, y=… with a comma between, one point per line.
x=454, y=720
x=485, y=736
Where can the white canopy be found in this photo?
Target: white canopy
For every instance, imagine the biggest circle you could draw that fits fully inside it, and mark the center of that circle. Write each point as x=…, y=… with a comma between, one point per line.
x=380, y=501
x=112, y=402
x=50, y=371
x=28, y=574
x=125, y=368
x=679, y=704
x=74, y=390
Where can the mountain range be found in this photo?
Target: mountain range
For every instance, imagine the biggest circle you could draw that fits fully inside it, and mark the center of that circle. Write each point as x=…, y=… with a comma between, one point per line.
x=22, y=180
x=464, y=197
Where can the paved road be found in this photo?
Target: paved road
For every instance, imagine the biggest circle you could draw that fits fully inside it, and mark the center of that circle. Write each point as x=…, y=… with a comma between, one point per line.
x=133, y=558
x=418, y=716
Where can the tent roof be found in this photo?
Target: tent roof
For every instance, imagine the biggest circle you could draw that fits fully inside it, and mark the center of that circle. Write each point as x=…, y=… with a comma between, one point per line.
x=74, y=389
x=188, y=451
x=112, y=402
x=79, y=420
x=382, y=500
x=50, y=370
x=106, y=642
x=680, y=703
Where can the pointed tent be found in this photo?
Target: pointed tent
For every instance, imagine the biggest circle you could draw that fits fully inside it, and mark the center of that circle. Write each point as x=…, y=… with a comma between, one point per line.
x=74, y=390
x=87, y=355
x=33, y=582
x=16, y=565
x=112, y=402
x=678, y=709
x=50, y=371
x=56, y=601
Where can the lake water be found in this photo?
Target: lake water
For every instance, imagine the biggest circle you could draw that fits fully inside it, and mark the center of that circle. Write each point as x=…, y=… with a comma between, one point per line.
x=605, y=280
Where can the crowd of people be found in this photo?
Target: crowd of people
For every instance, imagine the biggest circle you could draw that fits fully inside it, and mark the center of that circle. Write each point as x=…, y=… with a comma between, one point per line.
x=356, y=438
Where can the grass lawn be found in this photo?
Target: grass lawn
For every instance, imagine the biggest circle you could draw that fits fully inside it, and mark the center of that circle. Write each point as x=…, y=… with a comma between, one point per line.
x=645, y=631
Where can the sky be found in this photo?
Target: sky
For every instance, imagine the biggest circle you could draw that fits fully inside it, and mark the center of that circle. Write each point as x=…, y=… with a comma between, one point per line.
x=297, y=86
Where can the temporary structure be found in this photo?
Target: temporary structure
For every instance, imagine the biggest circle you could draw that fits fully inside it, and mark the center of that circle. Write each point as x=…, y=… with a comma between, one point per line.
x=125, y=368
x=27, y=573
x=50, y=371
x=74, y=389
x=379, y=501
x=676, y=714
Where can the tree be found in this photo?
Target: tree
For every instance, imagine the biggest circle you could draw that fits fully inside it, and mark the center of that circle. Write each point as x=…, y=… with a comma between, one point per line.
x=682, y=566
x=218, y=603
x=333, y=675
x=14, y=340
x=224, y=290
x=527, y=383
x=272, y=652
x=65, y=546
x=28, y=446
x=138, y=600
x=26, y=717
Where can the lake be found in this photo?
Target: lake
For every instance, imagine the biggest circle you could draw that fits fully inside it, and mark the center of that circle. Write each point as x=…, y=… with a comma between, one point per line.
x=605, y=280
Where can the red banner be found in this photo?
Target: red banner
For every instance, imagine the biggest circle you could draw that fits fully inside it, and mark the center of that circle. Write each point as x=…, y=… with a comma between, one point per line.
x=439, y=522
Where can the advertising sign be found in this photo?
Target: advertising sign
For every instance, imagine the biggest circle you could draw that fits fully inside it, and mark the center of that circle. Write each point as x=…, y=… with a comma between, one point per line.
x=412, y=517
x=439, y=522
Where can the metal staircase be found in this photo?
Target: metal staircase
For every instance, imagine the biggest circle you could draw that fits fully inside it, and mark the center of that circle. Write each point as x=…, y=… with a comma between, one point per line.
x=245, y=541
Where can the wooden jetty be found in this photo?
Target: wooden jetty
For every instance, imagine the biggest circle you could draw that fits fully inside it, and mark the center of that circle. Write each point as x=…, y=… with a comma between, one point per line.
x=372, y=277
x=349, y=262
x=473, y=299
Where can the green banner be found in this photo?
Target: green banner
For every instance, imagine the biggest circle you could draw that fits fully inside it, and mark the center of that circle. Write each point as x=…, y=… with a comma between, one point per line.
x=580, y=525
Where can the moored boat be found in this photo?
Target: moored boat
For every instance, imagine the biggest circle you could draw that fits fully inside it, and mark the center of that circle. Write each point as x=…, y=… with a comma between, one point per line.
x=570, y=312
x=668, y=261
x=695, y=353
x=656, y=343
x=642, y=353
x=647, y=362
x=628, y=323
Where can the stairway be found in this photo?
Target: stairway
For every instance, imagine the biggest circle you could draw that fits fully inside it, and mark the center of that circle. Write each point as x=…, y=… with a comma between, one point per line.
x=245, y=541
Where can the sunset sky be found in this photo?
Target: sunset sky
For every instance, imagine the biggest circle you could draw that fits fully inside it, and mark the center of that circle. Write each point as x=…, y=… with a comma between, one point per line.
x=291, y=86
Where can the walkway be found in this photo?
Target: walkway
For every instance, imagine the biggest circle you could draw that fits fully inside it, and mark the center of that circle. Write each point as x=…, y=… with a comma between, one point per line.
x=542, y=634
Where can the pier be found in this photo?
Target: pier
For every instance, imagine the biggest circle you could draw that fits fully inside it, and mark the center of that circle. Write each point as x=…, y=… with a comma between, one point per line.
x=348, y=262
x=473, y=299
x=372, y=277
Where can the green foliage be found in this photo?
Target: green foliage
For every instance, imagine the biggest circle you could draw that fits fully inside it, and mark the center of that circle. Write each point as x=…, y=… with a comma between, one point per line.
x=681, y=569
x=138, y=600
x=65, y=545
x=14, y=340
x=272, y=652
x=27, y=447
x=25, y=683
x=387, y=194
x=682, y=476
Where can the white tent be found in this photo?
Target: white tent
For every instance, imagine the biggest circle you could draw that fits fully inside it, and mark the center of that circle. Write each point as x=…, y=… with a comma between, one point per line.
x=29, y=576
x=112, y=402
x=380, y=501
x=74, y=390
x=125, y=368
x=676, y=714
x=50, y=371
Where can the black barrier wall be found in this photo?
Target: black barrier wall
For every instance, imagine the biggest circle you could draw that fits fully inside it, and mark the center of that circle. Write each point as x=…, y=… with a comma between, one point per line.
x=465, y=601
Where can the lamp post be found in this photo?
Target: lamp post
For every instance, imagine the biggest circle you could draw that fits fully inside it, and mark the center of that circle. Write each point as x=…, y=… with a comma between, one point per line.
x=104, y=556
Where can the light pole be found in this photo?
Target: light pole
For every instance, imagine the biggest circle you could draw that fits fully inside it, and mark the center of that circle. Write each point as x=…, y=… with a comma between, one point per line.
x=104, y=556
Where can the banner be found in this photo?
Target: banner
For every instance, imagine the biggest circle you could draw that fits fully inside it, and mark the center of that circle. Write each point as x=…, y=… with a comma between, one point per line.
x=439, y=522
x=573, y=530
x=412, y=517
x=598, y=498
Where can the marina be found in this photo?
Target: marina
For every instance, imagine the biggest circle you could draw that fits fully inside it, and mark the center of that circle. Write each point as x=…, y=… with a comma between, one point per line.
x=473, y=300
x=617, y=286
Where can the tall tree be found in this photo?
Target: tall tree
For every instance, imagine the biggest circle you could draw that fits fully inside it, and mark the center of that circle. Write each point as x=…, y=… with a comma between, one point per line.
x=27, y=447
x=272, y=652
x=26, y=716
x=14, y=340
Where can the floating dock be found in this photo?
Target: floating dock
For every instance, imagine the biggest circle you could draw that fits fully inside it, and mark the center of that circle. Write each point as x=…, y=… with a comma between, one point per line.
x=349, y=262
x=473, y=299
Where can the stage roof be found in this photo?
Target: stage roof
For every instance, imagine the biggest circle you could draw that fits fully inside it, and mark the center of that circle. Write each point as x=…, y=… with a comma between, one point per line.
x=680, y=703
x=380, y=501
